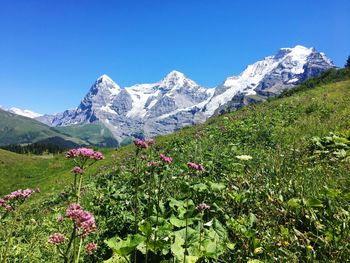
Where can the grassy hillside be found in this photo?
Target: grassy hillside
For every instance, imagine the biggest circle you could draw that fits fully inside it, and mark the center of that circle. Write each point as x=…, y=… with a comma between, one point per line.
x=277, y=180
x=50, y=173
x=287, y=204
x=15, y=129
x=94, y=133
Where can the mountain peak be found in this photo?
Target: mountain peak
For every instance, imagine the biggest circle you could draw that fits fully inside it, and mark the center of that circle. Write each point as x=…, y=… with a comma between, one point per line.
x=104, y=78
x=298, y=51
x=175, y=74
x=176, y=79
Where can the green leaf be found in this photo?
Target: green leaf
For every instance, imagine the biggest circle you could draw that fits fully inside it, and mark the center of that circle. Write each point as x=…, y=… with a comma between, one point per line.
x=314, y=202
x=177, y=249
x=294, y=202
x=191, y=259
x=177, y=222
x=216, y=187
x=125, y=247
x=200, y=187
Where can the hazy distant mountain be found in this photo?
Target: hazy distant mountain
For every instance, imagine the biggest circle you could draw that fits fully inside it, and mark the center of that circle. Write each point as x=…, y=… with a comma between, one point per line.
x=16, y=129
x=25, y=113
x=177, y=101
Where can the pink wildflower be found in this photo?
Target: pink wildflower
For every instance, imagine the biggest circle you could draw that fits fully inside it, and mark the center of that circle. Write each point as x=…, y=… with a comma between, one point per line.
x=202, y=207
x=83, y=220
x=56, y=239
x=166, y=159
x=98, y=156
x=195, y=166
x=140, y=144
x=77, y=170
x=90, y=248
x=84, y=152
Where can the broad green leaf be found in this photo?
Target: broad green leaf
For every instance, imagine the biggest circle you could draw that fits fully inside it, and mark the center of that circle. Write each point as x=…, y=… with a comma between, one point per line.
x=216, y=187
x=314, y=202
x=177, y=249
x=177, y=222
x=191, y=259
x=125, y=247
x=294, y=202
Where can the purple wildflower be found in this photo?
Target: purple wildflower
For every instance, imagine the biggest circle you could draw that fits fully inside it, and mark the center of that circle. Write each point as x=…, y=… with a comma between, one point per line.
x=90, y=248
x=202, y=207
x=83, y=220
x=166, y=159
x=140, y=144
x=56, y=239
x=77, y=170
x=195, y=166
x=84, y=152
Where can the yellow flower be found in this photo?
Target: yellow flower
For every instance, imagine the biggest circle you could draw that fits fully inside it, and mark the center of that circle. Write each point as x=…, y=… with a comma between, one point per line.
x=258, y=250
x=309, y=247
x=244, y=157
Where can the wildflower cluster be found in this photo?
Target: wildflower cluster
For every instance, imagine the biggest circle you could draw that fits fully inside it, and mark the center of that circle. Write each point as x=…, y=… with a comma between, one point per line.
x=8, y=201
x=77, y=170
x=165, y=159
x=202, y=206
x=140, y=144
x=83, y=220
x=90, y=248
x=86, y=153
x=195, y=166
x=56, y=239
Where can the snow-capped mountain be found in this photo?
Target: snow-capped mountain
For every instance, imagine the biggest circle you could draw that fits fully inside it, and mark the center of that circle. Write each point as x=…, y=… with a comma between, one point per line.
x=25, y=113
x=136, y=109
x=268, y=77
x=177, y=101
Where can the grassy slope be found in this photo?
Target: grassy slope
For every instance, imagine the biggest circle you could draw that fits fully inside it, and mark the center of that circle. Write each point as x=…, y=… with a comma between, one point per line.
x=15, y=129
x=49, y=173
x=95, y=134
x=277, y=134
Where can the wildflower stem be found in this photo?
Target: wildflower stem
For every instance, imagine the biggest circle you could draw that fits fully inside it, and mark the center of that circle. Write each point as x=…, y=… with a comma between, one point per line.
x=79, y=187
x=136, y=197
x=69, y=245
x=157, y=208
x=200, y=233
x=79, y=249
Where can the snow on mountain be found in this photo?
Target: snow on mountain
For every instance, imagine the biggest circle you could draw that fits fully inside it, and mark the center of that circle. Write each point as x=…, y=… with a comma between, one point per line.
x=268, y=77
x=177, y=101
x=25, y=113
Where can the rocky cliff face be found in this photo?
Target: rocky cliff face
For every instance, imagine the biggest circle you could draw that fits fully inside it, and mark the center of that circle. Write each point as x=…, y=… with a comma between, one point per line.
x=144, y=108
x=177, y=101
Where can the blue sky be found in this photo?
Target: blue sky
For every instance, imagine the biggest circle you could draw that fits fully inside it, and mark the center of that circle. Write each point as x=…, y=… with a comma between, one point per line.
x=52, y=51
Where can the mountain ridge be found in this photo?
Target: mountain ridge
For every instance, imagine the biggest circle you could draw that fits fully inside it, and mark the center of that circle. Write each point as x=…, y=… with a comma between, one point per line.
x=177, y=101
